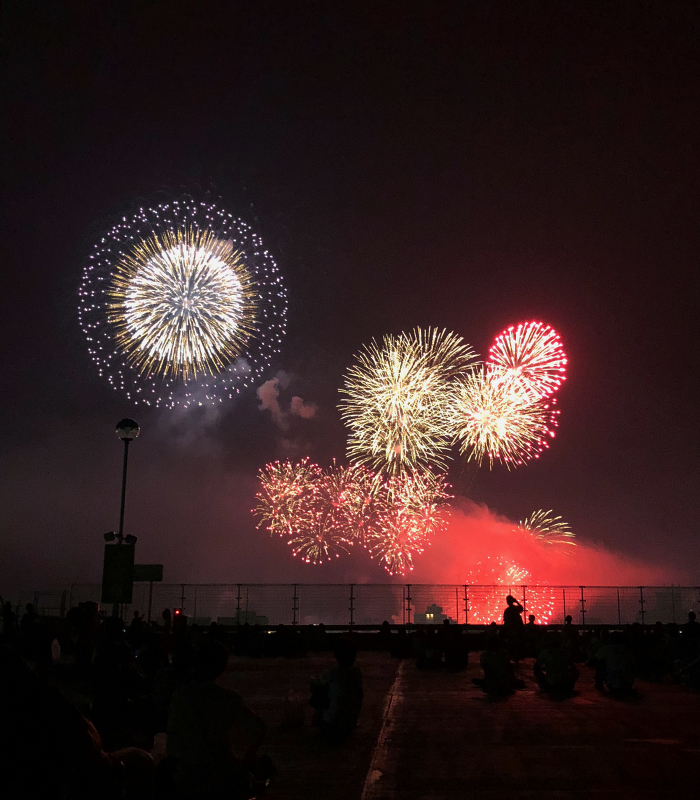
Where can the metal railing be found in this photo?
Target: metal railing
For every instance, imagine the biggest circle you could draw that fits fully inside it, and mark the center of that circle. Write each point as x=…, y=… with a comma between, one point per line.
x=371, y=604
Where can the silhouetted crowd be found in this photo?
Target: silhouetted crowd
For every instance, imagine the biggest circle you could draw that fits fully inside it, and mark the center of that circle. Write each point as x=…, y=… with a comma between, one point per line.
x=91, y=707
x=661, y=652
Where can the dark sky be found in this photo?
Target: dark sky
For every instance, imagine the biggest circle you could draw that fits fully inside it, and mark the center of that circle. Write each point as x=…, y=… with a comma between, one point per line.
x=464, y=165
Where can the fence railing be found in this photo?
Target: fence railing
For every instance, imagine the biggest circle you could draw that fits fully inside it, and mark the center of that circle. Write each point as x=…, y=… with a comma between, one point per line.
x=371, y=604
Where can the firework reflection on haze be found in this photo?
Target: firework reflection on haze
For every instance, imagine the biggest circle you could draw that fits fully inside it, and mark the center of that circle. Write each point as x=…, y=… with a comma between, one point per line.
x=493, y=579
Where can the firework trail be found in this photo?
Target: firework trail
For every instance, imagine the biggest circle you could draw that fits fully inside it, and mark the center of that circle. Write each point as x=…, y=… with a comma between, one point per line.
x=489, y=583
x=181, y=304
x=547, y=528
x=493, y=418
x=396, y=397
x=531, y=356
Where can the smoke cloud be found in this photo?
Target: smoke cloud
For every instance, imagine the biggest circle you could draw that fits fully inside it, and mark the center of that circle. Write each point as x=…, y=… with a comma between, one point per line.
x=475, y=533
x=269, y=394
x=302, y=409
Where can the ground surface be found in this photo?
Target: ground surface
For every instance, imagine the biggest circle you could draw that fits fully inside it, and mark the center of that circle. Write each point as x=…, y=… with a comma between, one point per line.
x=442, y=738
x=308, y=769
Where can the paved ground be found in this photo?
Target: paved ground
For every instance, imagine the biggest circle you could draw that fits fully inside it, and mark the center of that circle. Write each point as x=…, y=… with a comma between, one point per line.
x=307, y=769
x=434, y=735
x=443, y=738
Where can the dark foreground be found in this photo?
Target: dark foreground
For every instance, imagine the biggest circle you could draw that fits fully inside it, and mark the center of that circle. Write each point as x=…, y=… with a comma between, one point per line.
x=442, y=737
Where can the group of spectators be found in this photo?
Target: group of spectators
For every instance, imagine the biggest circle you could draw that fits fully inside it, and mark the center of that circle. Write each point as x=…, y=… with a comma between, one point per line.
x=618, y=657
x=137, y=711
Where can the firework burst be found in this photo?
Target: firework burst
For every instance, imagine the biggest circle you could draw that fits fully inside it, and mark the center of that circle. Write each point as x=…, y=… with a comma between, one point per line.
x=547, y=528
x=408, y=510
x=181, y=304
x=395, y=399
x=531, y=356
x=322, y=513
x=319, y=513
x=491, y=580
x=493, y=418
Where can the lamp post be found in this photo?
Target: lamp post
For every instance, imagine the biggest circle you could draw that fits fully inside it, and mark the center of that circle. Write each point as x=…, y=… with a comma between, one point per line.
x=127, y=430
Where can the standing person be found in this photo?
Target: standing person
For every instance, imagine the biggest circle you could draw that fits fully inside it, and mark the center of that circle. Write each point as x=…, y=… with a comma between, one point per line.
x=512, y=616
x=514, y=627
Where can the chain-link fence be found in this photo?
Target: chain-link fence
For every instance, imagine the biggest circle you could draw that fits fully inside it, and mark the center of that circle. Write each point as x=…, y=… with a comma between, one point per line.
x=371, y=604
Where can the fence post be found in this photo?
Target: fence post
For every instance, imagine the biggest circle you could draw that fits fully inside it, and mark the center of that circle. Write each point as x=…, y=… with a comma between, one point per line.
x=619, y=615
x=641, y=602
x=524, y=588
x=295, y=606
x=673, y=604
x=150, y=601
x=583, y=609
x=408, y=602
x=62, y=612
x=182, y=597
x=194, y=613
x=466, y=605
x=352, y=604
x=457, y=603
x=563, y=592
x=403, y=605
x=238, y=604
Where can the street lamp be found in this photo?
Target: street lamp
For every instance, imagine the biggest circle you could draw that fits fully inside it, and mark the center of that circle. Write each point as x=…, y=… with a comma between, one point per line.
x=127, y=430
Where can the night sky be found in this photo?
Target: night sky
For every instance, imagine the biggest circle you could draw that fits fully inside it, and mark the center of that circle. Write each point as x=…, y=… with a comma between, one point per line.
x=461, y=165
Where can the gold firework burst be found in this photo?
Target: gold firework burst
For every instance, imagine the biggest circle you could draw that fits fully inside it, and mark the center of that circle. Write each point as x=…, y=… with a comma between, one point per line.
x=183, y=304
x=492, y=418
x=395, y=399
x=543, y=525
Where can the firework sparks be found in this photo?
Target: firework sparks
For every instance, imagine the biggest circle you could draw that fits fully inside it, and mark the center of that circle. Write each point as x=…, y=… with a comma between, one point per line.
x=323, y=513
x=492, y=579
x=543, y=525
x=319, y=513
x=395, y=399
x=493, y=418
x=181, y=304
x=531, y=356
x=409, y=510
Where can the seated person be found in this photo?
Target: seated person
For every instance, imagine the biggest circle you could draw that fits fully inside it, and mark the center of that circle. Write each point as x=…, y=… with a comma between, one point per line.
x=554, y=668
x=50, y=750
x=499, y=677
x=213, y=737
x=616, y=665
x=344, y=692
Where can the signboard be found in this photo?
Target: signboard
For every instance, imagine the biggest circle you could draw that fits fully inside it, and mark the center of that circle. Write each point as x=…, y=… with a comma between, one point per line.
x=118, y=573
x=148, y=572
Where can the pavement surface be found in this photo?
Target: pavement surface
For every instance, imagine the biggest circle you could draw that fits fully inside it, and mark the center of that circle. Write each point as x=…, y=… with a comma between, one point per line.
x=434, y=735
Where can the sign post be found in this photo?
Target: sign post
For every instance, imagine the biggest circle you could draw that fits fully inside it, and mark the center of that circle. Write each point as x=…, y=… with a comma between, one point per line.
x=153, y=573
